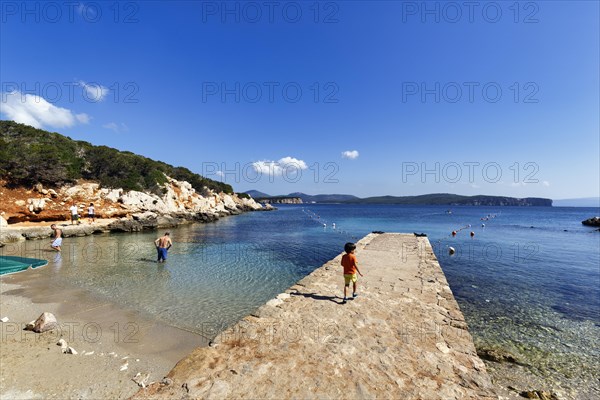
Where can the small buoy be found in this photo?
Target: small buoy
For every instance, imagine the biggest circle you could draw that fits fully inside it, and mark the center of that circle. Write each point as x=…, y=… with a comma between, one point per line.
x=483, y=225
x=453, y=233
x=472, y=233
x=451, y=250
x=333, y=225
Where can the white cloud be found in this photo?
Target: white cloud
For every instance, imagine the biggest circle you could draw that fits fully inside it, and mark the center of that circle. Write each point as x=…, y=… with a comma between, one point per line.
x=276, y=168
x=94, y=92
x=220, y=173
x=117, y=128
x=350, y=154
x=83, y=118
x=546, y=183
x=36, y=111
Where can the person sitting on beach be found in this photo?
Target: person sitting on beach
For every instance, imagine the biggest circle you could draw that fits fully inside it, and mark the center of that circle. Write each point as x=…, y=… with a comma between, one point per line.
x=57, y=241
x=350, y=265
x=91, y=213
x=74, y=214
x=163, y=244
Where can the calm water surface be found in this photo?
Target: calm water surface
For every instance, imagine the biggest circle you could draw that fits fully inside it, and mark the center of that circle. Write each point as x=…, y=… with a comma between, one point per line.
x=529, y=281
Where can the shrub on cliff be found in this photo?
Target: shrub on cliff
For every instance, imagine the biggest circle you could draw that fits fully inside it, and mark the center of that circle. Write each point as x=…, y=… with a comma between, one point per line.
x=29, y=156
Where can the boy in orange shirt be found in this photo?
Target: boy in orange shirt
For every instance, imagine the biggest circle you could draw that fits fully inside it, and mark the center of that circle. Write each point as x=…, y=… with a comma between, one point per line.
x=350, y=269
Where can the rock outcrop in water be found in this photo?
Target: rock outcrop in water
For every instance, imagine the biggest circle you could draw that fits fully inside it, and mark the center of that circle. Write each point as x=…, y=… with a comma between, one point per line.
x=594, y=221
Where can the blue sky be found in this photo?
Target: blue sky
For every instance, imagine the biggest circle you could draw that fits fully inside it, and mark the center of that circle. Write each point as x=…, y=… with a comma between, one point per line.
x=423, y=97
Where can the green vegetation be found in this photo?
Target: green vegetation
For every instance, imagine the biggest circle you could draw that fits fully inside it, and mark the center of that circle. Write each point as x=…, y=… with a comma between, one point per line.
x=445, y=199
x=457, y=200
x=29, y=156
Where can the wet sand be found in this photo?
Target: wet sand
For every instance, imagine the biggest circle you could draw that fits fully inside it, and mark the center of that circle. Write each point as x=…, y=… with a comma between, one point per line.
x=106, y=337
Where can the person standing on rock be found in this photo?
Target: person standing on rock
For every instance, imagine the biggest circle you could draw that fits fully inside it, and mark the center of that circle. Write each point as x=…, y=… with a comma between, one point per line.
x=74, y=214
x=163, y=244
x=57, y=241
x=91, y=213
x=350, y=269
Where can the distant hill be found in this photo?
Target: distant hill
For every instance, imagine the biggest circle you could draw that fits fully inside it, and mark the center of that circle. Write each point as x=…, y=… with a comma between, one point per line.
x=581, y=202
x=256, y=194
x=29, y=156
x=457, y=200
x=427, y=199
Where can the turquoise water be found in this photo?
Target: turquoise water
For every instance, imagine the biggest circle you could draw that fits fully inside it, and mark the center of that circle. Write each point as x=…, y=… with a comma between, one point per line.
x=529, y=281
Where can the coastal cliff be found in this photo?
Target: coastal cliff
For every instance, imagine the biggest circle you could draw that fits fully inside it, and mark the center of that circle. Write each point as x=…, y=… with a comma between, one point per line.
x=120, y=210
x=179, y=199
x=43, y=174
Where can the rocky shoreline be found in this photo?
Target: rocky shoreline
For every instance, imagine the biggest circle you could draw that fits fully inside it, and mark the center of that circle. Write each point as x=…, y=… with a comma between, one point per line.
x=136, y=223
x=26, y=214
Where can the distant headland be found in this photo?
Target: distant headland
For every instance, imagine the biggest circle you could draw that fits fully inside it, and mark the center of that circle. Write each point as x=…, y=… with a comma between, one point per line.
x=445, y=199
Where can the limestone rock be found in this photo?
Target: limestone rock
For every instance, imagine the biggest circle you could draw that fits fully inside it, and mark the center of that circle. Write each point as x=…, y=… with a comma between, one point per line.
x=166, y=221
x=144, y=216
x=125, y=225
x=442, y=347
x=37, y=233
x=111, y=195
x=83, y=191
x=45, y=322
x=10, y=237
x=36, y=205
x=3, y=222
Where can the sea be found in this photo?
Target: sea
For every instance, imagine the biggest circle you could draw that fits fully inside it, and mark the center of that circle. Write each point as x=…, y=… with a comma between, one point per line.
x=527, y=279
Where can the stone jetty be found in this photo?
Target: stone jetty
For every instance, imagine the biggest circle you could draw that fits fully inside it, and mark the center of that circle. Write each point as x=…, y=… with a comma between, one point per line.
x=403, y=337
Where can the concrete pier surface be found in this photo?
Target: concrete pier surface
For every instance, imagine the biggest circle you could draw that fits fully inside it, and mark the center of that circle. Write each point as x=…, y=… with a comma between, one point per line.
x=403, y=337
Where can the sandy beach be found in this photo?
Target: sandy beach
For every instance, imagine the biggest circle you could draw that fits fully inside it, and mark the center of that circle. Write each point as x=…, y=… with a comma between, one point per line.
x=113, y=344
